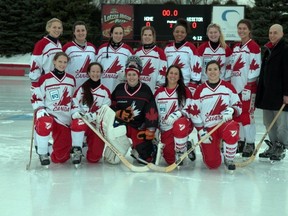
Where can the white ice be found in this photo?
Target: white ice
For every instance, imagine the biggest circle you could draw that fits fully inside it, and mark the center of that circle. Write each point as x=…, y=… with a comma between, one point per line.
x=259, y=189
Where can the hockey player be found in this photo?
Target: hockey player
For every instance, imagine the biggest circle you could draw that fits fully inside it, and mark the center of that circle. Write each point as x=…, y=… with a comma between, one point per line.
x=215, y=49
x=81, y=53
x=246, y=62
x=45, y=50
x=113, y=56
x=86, y=101
x=134, y=105
x=153, y=59
x=174, y=127
x=51, y=101
x=215, y=101
x=185, y=55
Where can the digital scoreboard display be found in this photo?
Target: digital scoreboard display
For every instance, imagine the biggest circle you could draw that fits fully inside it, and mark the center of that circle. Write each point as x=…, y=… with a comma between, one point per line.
x=163, y=17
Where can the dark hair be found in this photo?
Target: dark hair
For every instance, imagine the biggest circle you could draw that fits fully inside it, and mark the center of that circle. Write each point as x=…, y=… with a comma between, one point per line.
x=78, y=23
x=181, y=89
x=111, y=39
x=247, y=22
x=58, y=54
x=213, y=62
x=87, y=95
x=184, y=23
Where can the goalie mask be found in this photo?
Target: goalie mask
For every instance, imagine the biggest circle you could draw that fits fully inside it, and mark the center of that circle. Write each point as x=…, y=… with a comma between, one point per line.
x=133, y=63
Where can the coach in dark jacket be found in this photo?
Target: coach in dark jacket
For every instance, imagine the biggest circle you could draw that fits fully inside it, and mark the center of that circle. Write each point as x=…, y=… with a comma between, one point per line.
x=272, y=92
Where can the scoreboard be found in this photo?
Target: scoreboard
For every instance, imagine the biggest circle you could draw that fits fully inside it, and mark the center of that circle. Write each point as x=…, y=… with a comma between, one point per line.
x=161, y=17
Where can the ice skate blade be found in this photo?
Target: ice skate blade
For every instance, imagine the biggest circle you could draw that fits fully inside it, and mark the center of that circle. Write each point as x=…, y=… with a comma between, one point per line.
x=262, y=159
x=77, y=165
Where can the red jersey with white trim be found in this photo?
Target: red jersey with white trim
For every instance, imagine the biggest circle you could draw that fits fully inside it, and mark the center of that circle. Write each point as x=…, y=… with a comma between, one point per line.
x=101, y=96
x=79, y=59
x=167, y=103
x=42, y=57
x=113, y=63
x=154, y=66
x=55, y=96
x=246, y=62
x=208, y=104
x=220, y=54
x=187, y=58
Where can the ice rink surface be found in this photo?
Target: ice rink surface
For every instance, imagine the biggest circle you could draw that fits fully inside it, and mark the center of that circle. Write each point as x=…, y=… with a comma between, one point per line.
x=259, y=189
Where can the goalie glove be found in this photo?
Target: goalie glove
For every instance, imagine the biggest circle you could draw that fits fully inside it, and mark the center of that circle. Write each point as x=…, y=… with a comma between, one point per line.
x=173, y=117
x=227, y=114
x=125, y=115
x=146, y=135
x=90, y=116
x=41, y=112
x=203, y=132
x=246, y=94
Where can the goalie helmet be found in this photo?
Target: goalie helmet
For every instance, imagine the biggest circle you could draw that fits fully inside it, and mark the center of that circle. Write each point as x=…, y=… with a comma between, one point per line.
x=133, y=63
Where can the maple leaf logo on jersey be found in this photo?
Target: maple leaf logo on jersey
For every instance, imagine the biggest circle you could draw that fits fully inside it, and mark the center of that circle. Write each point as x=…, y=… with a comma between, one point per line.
x=193, y=110
x=197, y=68
x=148, y=68
x=34, y=98
x=34, y=66
x=219, y=60
x=218, y=107
x=178, y=62
x=238, y=64
x=66, y=99
x=94, y=107
x=254, y=65
x=115, y=66
x=163, y=70
x=84, y=67
x=152, y=115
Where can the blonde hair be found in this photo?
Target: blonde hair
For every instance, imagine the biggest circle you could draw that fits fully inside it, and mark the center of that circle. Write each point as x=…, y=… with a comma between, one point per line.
x=49, y=23
x=144, y=28
x=221, y=38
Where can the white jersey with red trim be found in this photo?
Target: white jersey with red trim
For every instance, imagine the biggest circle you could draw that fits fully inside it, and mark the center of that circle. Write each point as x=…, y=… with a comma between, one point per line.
x=220, y=54
x=246, y=62
x=55, y=96
x=187, y=58
x=113, y=63
x=167, y=103
x=42, y=57
x=101, y=96
x=207, y=106
x=79, y=59
x=154, y=66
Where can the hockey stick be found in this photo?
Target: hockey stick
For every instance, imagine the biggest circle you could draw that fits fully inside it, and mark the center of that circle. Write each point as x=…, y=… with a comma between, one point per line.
x=31, y=145
x=253, y=156
x=177, y=162
x=115, y=150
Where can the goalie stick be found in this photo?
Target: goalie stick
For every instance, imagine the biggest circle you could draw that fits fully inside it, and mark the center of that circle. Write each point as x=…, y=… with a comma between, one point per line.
x=115, y=150
x=31, y=145
x=177, y=162
x=253, y=156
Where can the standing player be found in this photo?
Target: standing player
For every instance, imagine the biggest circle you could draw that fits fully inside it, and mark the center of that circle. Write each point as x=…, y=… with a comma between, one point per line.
x=215, y=101
x=81, y=53
x=113, y=56
x=134, y=105
x=246, y=61
x=215, y=49
x=153, y=58
x=184, y=54
x=86, y=101
x=51, y=102
x=174, y=127
x=45, y=50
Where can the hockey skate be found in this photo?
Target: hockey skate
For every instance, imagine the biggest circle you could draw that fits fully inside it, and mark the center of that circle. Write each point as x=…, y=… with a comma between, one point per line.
x=279, y=152
x=192, y=155
x=248, y=150
x=230, y=165
x=240, y=146
x=44, y=159
x=76, y=155
x=268, y=151
x=178, y=155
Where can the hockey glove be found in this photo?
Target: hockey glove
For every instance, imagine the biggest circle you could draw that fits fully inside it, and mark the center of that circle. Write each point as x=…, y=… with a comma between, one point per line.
x=173, y=117
x=203, y=133
x=90, y=116
x=77, y=115
x=146, y=135
x=125, y=115
x=246, y=94
x=41, y=112
x=227, y=114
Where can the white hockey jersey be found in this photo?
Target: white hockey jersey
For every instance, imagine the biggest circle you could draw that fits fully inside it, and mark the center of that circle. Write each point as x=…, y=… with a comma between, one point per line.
x=246, y=62
x=221, y=55
x=42, y=57
x=55, y=95
x=207, y=106
x=113, y=63
x=154, y=66
x=167, y=103
x=187, y=58
x=79, y=59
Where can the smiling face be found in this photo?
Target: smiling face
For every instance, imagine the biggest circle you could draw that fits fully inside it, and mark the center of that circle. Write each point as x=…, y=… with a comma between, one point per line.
x=147, y=37
x=132, y=78
x=243, y=32
x=275, y=33
x=179, y=33
x=213, y=34
x=117, y=34
x=213, y=73
x=61, y=63
x=55, y=29
x=80, y=33
x=95, y=73
x=173, y=75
